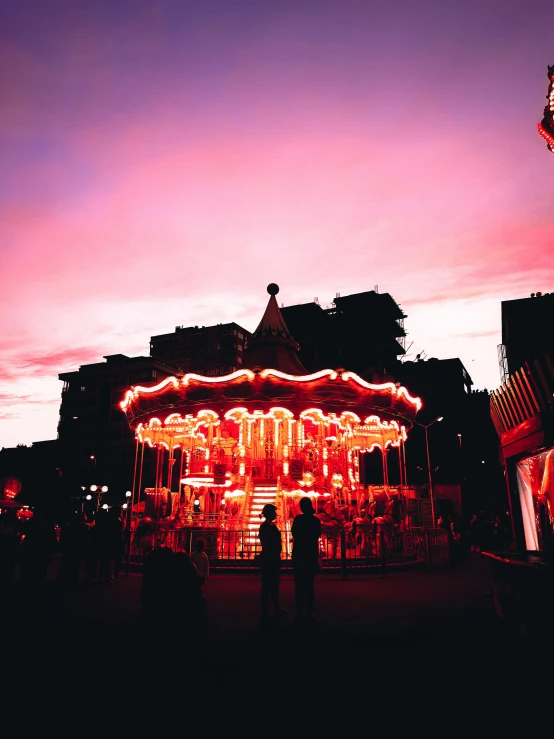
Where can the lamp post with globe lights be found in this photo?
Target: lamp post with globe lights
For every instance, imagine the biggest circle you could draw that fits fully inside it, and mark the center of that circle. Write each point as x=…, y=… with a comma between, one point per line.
x=98, y=491
x=426, y=426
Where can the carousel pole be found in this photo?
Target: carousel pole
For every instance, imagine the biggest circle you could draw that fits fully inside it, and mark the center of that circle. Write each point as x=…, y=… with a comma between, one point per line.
x=385, y=469
x=157, y=469
x=156, y=483
x=405, y=478
x=140, y=474
x=181, y=469
x=404, y=464
x=401, y=477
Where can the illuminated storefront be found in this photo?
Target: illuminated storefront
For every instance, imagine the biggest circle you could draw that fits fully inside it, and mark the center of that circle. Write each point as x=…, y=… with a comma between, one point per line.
x=523, y=412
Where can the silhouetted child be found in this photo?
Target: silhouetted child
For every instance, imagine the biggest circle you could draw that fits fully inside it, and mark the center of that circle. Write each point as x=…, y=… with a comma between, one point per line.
x=200, y=561
x=9, y=551
x=187, y=591
x=73, y=544
x=36, y=550
x=158, y=585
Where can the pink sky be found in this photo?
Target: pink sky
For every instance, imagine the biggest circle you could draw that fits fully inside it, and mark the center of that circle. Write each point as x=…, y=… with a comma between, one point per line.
x=162, y=163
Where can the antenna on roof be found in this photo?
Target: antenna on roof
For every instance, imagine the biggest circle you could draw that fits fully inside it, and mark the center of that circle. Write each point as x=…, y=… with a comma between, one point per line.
x=337, y=295
x=406, y=355
x=316, y=300
x=376, y=288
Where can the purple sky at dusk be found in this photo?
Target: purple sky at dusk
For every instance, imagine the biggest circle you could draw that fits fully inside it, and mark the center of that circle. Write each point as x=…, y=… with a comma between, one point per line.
x=163, y=161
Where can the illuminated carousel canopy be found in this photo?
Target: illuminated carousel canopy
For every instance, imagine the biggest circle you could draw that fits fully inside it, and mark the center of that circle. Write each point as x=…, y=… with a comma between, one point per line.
x=333, y=397
x=271, y=420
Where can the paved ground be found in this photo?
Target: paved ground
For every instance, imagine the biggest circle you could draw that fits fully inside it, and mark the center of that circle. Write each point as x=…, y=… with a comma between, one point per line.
x=402, y=649
x=405, y=614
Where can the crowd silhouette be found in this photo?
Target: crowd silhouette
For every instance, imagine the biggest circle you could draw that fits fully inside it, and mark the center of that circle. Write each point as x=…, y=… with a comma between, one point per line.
x=91, y=548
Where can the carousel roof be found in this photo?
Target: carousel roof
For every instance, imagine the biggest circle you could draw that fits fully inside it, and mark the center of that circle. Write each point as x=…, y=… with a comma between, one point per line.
x=272, y=344
x=273, y=378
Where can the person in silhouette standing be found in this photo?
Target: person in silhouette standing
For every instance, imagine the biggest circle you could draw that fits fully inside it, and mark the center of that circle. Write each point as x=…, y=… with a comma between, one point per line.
x=306, y=530
x=73, y=543
x=270, y=562
x=110, y=542
x=37, y=550
x=186, y=591
x=10, y=540
x=158, y=585
x=200, y=561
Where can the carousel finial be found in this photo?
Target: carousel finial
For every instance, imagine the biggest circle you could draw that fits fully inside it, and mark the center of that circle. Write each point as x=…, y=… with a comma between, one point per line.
x=272, y=288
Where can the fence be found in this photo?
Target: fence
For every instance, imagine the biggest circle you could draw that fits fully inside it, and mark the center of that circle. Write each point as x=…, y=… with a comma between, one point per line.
x=340, y=551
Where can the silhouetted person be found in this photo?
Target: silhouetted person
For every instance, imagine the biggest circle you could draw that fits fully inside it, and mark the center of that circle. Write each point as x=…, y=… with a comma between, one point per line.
x=109, y=532
x=187, y=591
x=306, y=530
x=73, y=546
x=91, y=549
x=158, y=584
x=445, y=523
x=119, y=539
x=270, y=562
x=10, y=539
x=37, y=549
x=200, y=561
x=475, y=533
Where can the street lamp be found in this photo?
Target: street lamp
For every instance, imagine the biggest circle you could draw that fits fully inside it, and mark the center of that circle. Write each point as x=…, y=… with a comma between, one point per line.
x=431, y=496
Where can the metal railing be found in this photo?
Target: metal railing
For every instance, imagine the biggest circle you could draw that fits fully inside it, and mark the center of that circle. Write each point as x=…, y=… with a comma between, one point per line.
x=340, y=551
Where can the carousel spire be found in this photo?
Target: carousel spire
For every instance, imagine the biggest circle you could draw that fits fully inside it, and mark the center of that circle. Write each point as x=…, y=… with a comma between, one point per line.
x=272, y=345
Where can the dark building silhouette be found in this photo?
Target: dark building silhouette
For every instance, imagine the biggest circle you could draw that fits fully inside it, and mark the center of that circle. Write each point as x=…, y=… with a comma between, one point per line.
x=526, y=331
x=463, y=446
x=97, y=446
x=444, y=386
x=207, y=350
x=363, y=332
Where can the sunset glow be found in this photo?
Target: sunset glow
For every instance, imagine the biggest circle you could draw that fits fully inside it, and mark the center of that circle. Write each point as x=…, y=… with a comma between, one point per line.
x=163, y=162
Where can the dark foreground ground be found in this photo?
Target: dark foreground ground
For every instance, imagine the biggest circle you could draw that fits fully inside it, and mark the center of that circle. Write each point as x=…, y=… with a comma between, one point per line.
x=413, y=651
x=364, y=623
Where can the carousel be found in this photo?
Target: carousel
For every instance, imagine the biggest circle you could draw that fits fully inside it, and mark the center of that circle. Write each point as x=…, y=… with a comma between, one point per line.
x=267, y=433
